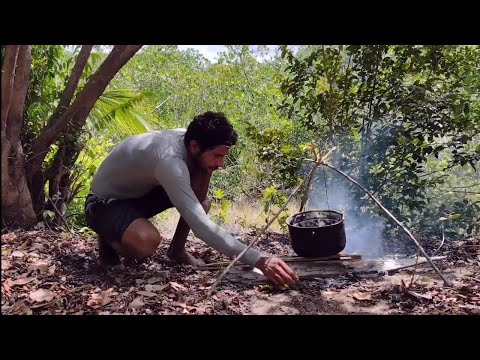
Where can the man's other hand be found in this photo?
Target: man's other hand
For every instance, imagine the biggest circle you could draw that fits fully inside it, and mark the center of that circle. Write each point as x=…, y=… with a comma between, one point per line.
x=277, y=271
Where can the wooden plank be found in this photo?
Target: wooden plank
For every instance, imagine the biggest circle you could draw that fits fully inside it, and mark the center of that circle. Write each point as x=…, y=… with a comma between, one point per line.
x=323, y=260
x=287, y=259
x=324, y=269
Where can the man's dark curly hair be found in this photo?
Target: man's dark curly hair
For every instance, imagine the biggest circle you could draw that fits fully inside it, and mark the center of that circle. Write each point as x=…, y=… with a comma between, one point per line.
x=210, y=129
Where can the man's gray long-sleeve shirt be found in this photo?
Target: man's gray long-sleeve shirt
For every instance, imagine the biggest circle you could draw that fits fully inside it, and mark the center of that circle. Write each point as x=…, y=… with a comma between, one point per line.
x=144, y=161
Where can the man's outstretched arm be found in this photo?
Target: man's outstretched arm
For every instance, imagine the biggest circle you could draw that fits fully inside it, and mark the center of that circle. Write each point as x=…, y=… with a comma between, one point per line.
x=177, y=185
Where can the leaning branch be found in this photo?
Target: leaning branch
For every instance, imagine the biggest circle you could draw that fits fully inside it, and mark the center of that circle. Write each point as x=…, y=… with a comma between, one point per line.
x=446, y=281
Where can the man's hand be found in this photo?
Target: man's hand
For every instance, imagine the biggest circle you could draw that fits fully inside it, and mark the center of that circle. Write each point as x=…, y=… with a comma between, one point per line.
x=277, y=270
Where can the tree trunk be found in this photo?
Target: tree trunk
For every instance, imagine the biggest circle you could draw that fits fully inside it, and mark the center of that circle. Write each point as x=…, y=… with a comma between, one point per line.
x=59, y=175
x=21, y=203
x=56, y=170
x=17, y=206
x=64, y=103
x=75, y=115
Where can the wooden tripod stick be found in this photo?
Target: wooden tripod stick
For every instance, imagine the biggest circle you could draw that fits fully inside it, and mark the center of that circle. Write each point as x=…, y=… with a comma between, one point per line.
x=445, y=280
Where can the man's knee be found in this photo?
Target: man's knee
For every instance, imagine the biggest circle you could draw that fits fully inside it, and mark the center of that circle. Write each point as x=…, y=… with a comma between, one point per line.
x=147, y=244
x=141, y=239
x=207, y=204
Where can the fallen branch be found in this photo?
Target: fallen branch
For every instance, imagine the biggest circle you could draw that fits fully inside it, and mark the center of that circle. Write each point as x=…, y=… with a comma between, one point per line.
x=219, y=278
x=446, y=281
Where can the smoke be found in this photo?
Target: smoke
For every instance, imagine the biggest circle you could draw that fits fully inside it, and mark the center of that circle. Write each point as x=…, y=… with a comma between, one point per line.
x=363, y=230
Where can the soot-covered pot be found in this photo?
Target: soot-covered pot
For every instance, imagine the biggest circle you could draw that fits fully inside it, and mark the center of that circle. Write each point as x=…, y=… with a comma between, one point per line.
x=317, y=233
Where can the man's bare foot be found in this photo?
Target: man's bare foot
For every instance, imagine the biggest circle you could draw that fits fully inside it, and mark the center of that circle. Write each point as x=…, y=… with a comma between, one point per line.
x=184, y=257
x=106, y=254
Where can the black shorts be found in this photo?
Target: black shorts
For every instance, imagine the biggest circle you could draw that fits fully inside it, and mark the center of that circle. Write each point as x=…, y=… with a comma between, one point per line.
x=109, y=218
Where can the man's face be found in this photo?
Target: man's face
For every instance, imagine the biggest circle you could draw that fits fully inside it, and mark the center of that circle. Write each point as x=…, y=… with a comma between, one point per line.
x=212, y=159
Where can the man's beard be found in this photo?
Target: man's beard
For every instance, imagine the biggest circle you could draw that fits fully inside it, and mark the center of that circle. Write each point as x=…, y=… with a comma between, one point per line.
x=198, y=165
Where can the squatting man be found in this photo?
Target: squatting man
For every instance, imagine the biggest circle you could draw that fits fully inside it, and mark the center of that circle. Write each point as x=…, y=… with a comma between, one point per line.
x=151, y=172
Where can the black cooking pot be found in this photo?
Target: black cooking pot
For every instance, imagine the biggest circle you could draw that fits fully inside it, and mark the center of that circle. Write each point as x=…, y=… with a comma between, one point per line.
x=317, y=233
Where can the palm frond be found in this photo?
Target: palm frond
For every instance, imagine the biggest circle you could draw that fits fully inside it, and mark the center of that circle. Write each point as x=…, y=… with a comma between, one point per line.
x=118, y=111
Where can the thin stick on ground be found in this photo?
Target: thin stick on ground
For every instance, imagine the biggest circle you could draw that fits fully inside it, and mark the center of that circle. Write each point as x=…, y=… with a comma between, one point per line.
x=223, y=273
x=445, y=280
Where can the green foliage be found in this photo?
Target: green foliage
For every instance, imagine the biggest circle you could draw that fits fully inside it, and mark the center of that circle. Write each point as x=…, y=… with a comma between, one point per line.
x=278, y=155
x=119, y=113
x=220, y=207
x=462, y=218
x=51, y=69
x=185, y=84
x=282, y=220
x=51, y=66
x=405, y=118
x=458, y=192
x=272, y=199
x=90, y=158
x=389, y=109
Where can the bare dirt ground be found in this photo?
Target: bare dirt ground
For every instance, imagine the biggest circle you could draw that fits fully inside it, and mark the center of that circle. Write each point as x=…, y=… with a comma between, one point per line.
x=46, y=272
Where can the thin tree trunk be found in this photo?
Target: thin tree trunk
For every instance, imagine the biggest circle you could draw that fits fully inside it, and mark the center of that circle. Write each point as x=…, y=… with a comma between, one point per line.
x=16, y=201
x=60, y=176
x=57, y=170
x=8, y=76
x=64, y=103
x=72, y=83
